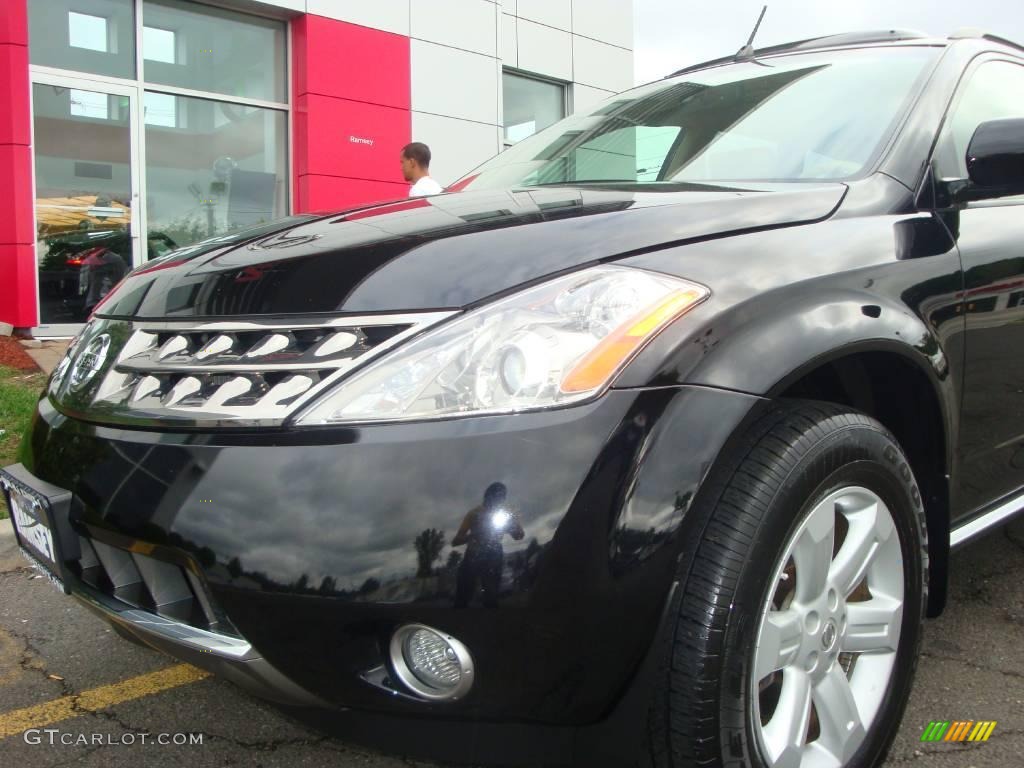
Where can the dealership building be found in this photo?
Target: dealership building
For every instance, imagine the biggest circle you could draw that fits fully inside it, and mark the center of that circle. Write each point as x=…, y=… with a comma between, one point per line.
x=135, y=126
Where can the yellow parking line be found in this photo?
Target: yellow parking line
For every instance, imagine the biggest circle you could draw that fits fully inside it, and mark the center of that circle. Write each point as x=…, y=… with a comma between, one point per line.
x=47, y=713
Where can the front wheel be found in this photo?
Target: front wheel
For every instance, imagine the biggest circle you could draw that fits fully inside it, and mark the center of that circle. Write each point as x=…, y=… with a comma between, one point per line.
x=802, y=601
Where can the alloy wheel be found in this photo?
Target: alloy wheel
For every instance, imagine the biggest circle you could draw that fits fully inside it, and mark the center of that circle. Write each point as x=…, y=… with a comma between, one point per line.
x=828, y=633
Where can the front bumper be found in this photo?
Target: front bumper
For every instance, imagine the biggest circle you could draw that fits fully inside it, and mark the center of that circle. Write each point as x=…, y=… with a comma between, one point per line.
x=305, y=539
x=229, y=657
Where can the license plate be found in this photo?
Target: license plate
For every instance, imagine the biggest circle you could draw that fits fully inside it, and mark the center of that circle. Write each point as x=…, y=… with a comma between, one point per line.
x=38, y=510
x=30, y=522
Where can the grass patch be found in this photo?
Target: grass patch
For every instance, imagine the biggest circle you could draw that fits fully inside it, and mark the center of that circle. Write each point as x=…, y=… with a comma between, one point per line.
x=19, y=392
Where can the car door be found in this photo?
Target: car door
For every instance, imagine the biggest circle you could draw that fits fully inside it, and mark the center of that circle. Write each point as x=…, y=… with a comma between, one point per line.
x=990, y=234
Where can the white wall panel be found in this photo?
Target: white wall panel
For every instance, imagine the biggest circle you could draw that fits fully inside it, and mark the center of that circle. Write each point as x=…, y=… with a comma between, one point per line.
x=600, y=65
x=509, y=6
x=389, y=15
x=467, y=24
x=544, y=50
x=456, y=146
x=554, y=13
x=610, y=21
x=447, y=81
x=584, y=97
x=509, y=44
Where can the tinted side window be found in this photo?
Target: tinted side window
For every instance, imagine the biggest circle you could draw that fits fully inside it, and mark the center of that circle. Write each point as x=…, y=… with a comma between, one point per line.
x=995, y=90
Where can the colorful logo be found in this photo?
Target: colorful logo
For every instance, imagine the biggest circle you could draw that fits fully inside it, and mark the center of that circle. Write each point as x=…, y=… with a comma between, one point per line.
x=958, y=730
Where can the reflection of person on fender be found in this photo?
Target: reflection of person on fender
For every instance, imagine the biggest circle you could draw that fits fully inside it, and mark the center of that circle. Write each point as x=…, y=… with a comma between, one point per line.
x=101, y=270
x=481, y=531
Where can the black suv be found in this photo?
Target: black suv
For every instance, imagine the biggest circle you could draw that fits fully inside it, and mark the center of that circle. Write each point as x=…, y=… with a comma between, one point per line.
x=650, y=440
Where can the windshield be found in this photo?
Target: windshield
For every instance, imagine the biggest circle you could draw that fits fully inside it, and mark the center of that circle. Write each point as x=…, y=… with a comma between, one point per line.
x=811, y=116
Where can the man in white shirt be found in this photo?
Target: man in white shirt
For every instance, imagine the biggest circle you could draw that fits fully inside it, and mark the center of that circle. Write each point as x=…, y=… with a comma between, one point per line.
x=416, y=170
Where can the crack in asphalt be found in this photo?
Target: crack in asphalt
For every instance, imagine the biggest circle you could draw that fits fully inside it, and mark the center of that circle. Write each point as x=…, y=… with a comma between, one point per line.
x=31, y=660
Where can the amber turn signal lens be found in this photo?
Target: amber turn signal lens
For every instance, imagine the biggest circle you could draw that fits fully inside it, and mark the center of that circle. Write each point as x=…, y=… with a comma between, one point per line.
x=598, y=366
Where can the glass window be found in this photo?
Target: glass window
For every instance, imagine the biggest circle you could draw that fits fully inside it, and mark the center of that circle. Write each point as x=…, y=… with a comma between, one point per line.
x=96, y=36
x=85, y=31
x=160, y=44
x=530, y=105
x=992, y=93
x=161, y=109
x=810, y=116
x=89, y=104
x=652, y=146
x=212, y=49
x=212, y=167
x=83, y=198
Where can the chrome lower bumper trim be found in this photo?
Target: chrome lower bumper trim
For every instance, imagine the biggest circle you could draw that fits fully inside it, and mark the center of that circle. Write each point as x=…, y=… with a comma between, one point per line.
x=229, y=657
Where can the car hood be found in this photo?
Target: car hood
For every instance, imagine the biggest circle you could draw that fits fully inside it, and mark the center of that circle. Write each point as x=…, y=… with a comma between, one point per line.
x=451, y=251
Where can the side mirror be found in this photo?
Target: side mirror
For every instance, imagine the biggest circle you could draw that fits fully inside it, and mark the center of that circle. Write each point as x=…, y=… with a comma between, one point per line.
x=995, y=159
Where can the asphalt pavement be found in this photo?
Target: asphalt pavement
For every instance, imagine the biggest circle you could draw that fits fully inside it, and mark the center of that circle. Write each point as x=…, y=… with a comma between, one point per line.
x=73, y=692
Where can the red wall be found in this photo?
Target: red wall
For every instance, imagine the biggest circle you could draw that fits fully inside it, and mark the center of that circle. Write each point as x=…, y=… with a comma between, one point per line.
x=17, y=239
x=351, y=113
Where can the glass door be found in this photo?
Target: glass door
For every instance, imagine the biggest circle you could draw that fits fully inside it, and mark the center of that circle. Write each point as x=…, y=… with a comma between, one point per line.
x=86, y=195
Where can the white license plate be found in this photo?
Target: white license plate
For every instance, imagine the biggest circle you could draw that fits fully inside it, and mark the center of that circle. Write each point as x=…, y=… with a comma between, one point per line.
x=30, y=520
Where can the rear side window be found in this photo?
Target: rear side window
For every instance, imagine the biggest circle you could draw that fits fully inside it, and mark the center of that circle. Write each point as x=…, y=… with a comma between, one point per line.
x=995, y=90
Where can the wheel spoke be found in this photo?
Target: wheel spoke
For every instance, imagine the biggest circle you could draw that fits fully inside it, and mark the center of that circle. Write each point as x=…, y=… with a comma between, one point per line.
x=779, y=642
x=786, y=734
x=868, y=528
x=841, y=728
x=812, y=554
x=874, y=625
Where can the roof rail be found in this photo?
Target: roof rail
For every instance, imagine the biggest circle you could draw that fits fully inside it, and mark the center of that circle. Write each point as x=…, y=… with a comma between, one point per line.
x=1003, y=41
x=825, y=41
x=973, y=33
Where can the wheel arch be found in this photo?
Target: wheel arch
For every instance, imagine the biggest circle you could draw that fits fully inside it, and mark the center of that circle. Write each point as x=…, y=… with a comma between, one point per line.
x=892, y=384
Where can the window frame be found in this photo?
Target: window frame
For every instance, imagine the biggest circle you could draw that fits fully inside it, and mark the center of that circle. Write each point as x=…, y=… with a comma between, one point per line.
x=561, y=84
x=943, y=134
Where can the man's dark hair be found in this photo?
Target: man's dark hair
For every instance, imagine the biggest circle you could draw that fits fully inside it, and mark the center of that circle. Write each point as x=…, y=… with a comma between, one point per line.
x=417, y=151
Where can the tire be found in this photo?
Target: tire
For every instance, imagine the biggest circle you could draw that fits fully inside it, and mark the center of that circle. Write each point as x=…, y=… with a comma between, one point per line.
x=760, y=597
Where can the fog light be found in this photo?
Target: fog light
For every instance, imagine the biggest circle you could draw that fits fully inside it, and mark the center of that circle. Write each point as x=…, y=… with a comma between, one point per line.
x=430, y=663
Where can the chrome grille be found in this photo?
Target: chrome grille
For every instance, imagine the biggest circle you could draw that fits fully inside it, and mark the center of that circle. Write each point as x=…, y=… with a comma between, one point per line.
x=231, y=372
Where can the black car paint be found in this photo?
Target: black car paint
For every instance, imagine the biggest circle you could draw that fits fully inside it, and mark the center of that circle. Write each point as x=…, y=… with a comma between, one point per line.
x=452, y=251
x=800, y=274
x=597, y=517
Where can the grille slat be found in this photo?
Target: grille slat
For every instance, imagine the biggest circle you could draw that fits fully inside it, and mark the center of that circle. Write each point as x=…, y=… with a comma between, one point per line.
x=118, y=564
x=151, y=584
x=165, y=582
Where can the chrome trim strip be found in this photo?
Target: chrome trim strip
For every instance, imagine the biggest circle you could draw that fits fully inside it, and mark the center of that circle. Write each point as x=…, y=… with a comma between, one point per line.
x=255, y=366
x=408, y=318
x=208, y=642
x=967, y=532
x=229, y=657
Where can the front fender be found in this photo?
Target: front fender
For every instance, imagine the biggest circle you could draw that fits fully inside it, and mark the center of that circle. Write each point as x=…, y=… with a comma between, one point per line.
x=786, y=301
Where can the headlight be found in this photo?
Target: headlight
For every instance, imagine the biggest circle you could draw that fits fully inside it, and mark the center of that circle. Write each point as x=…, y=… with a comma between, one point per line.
x=554, y=344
